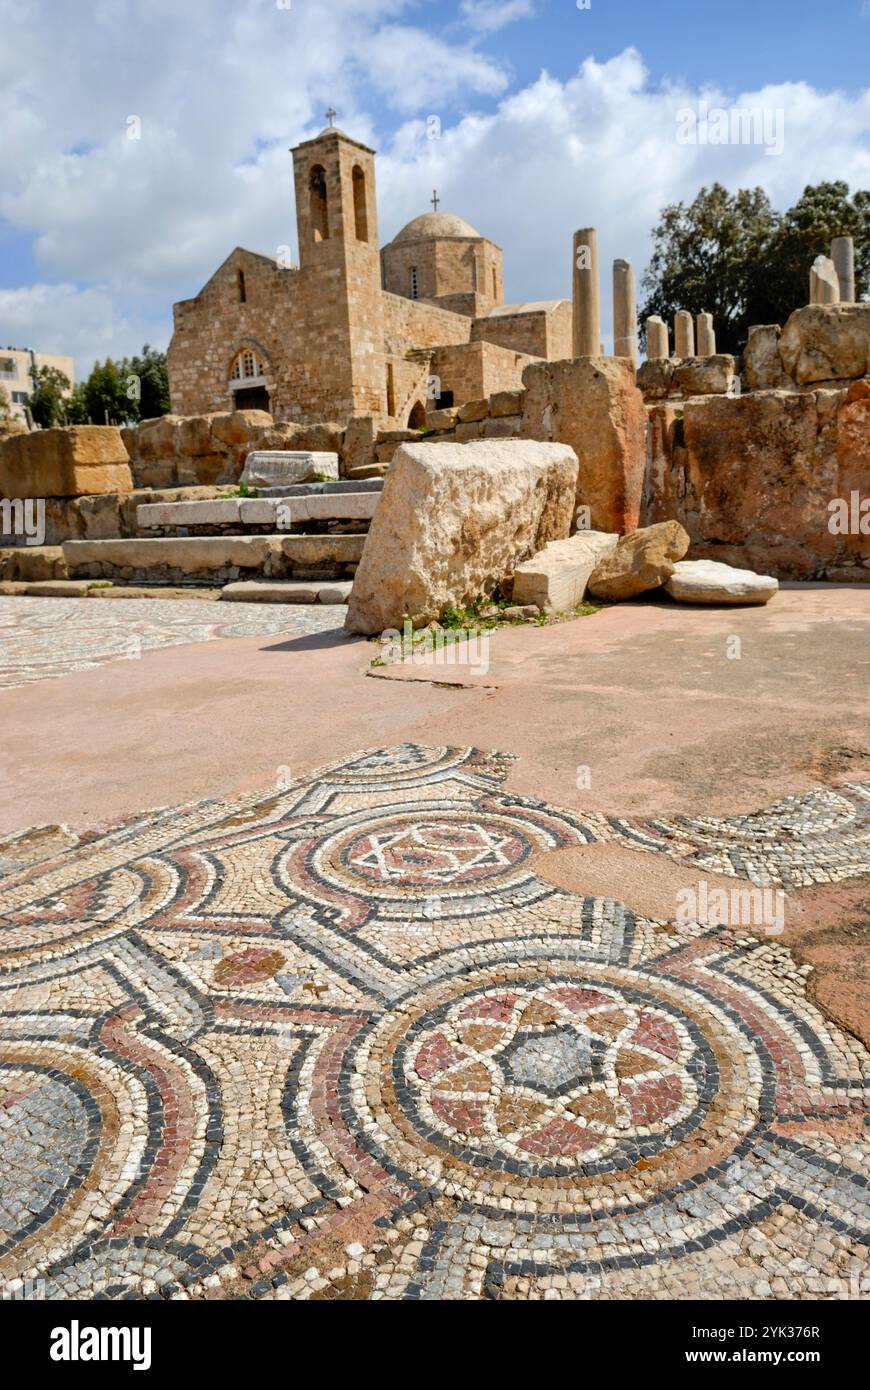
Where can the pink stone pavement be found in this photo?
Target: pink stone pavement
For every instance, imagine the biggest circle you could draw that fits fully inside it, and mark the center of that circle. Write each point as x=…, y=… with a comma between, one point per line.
x=643, y=695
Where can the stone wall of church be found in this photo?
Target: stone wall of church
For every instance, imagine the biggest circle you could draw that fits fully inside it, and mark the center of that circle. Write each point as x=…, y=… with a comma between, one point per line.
x=410, y=324
x=540, y=333
x=474, y=370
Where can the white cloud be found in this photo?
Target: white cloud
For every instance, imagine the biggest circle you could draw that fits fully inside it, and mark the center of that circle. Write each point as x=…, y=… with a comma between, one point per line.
x=85, y=324
x=600, y=150
x=489, y=15
x=128, y=226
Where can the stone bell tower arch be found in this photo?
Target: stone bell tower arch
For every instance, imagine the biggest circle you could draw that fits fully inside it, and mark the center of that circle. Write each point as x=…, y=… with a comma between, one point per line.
x=339, y=268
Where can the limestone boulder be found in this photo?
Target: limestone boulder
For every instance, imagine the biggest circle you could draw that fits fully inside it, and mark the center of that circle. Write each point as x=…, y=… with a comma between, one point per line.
x=82, y=459
x=827, y=342
x=762, y=364
x=194, y=435
x=708, y=581
x=655, y=377
x=473, y=411
x=640, y=561
x=454, y=522
x=158, y=438
x=239, y=426
x=593, y=404
x=506, y=403
x=705, y=376
x=557, y=577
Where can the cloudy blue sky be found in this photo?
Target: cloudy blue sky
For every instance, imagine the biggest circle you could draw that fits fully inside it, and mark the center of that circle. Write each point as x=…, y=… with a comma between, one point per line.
x=551, y=117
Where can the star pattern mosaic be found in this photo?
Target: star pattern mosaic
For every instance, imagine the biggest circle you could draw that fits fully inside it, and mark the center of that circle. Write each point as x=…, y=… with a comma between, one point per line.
x=44, y=638
x=342, y=1043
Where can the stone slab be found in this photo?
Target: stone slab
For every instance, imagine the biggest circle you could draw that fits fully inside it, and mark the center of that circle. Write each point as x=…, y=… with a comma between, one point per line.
x=556, y=578
x=708, y=581
x=337, y=592
x=267, y=467
x=59, y=588
x=264, y=591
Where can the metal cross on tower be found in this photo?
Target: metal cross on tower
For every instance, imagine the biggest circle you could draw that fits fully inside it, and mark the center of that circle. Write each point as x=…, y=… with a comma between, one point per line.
x=331, y=115
x=435, y=200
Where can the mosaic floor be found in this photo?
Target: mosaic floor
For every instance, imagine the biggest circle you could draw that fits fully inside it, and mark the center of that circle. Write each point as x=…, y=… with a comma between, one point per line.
x=43, y=638
x=342, y=1043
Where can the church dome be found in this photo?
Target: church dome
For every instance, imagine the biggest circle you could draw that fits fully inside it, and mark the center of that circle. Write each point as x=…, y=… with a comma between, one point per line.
x=432, y=225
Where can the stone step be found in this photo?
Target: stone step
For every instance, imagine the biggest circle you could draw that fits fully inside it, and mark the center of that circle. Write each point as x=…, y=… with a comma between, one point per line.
x=285, y=591
x=214, y=559
x=280, y=512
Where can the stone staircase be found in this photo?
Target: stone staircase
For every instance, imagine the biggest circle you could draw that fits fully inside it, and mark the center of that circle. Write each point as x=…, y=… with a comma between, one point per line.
x=300, y=543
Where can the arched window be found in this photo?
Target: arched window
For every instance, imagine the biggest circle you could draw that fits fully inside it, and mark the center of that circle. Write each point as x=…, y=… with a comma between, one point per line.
x=247, y=366
x=360, y=215
x=494, y=290
x=414, y=294
x=240, y=285
x=317, y=209
x=417, y=418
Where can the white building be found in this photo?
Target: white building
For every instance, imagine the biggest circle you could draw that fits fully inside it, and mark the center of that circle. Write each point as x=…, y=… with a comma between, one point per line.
x=15, y=365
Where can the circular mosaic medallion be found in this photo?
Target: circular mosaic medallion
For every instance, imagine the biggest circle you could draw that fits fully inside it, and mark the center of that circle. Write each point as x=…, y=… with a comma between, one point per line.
x=425, y=853
x=446, y=853
x=555, y=1074
x=580, y=1073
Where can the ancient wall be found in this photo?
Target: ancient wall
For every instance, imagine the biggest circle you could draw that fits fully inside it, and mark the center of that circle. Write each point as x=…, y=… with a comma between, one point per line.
x=472, y=370
x=542, y=333
x=753, y=479
x=408, y=323
x=210, y=449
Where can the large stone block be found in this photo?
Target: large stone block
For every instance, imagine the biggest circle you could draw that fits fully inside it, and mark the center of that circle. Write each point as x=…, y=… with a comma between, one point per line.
x=827, y=342
x=557, y=577
x=705, y=376
x=593, y=404
x=83, y=459
x=453, y=523
x=762, y=468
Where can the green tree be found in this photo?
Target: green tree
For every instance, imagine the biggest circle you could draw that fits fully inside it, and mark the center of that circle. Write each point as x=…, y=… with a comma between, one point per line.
x=105, y=396
x=734, y=256
x=150, y=372
x=47, y=404
x=781, y=283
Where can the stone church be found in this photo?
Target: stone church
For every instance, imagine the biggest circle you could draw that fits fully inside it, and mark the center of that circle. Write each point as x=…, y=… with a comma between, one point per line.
x=355, y=329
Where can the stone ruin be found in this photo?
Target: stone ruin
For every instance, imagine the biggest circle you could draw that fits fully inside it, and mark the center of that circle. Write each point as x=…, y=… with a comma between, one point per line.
x=747, y=456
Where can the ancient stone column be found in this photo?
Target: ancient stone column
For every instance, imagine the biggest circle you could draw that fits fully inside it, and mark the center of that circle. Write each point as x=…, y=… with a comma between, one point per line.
x=587, y=294
x=843, y=256
x=656, y=338
x=624, y=311
x=684, y=334
x=706, y=336
x=824, y=283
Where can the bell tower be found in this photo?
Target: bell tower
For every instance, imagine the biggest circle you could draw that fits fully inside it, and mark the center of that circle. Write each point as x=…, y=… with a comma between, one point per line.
x=339, y=262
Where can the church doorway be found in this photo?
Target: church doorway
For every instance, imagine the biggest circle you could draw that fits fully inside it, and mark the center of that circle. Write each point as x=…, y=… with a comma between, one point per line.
x=251, y=398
